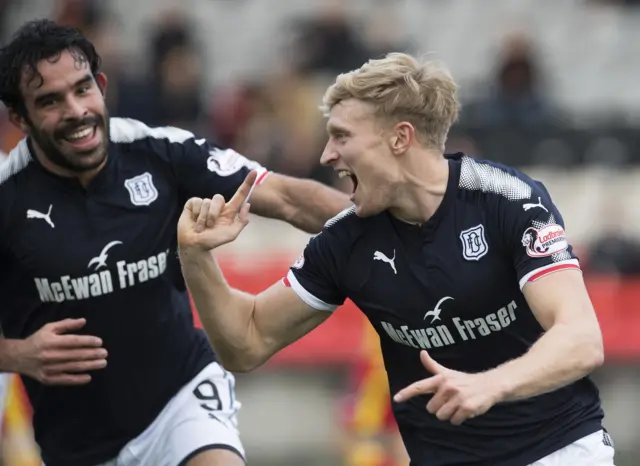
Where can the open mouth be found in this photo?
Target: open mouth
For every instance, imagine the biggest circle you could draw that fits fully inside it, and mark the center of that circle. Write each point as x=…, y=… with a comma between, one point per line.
x=346, y=173
x=84, y=137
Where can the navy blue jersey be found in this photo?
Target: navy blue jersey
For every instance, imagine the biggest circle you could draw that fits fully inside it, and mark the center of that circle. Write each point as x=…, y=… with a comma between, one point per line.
x=453, y=286
x=108, y=253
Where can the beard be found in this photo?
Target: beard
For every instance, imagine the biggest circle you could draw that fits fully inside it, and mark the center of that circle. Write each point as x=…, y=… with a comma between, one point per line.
x=75, y=161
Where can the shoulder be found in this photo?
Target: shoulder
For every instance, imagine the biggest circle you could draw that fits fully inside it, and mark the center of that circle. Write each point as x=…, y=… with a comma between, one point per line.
x=494, y=186
x=13, y=168
x=130, y=131
x=133, y=135
x=346, y=225
x=494, y=180
x=340, y=233
x=343, y=219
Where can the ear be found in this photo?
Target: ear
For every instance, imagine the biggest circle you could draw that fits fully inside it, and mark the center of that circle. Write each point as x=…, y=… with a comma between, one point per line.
x=101, y=79
x=402, y=137
x=18, y=120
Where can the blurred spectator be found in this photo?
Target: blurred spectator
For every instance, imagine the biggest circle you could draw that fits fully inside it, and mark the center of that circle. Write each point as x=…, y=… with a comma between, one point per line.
x=328, y=44
x=279, y=124
x=516, y=98
x=232, y=107
x=4, y=8
x=175, y=73
x=383, y=31
x=83, y=14
x=614, y=252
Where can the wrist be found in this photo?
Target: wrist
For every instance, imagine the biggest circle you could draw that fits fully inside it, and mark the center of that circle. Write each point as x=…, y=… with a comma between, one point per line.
x=499, y=385
x=193, y=253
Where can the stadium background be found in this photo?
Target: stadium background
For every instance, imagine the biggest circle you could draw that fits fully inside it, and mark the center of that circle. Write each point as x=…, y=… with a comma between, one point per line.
x=550, y=86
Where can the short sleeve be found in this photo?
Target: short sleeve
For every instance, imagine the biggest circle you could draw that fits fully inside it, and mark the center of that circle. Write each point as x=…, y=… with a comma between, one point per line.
x=315, y=275
x=534, y=232
x=201, y=168
x=204, y=169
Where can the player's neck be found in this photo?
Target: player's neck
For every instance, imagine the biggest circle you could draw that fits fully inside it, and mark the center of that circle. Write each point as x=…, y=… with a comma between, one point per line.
x=84, y=178
x=425, y=183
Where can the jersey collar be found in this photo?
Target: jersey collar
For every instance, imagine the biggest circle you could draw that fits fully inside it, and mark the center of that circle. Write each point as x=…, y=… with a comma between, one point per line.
x=427, y=229
x=104, y=177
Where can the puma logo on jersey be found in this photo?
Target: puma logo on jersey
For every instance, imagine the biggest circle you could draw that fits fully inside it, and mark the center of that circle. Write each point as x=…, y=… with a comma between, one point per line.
x=435, y=312
x=378, y=256
x=46, y=217
x=531, y=206
x=101, y=260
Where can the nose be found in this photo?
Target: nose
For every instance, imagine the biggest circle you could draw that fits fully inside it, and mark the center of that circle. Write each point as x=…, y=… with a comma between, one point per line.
x=74, y=109
x=329, y=155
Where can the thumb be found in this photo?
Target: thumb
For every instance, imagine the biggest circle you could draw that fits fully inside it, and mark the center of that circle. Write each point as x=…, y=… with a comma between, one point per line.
x=430, y=364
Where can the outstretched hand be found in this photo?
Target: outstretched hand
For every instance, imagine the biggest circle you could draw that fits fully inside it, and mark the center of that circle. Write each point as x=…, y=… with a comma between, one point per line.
x=209, y=223
x=57, y=355
x=457, y=396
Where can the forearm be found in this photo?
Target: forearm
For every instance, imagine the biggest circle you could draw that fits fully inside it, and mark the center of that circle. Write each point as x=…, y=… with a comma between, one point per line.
x=304, y=203
x=561, y=356
x=315, y=203
x=9, y=355
x=226, y=314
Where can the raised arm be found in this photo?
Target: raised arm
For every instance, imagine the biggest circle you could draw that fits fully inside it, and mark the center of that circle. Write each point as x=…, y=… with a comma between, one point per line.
x=244, y=330
x=203, y=169
x=305, y=204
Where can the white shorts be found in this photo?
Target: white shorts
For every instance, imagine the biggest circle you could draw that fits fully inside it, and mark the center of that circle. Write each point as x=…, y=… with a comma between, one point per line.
x=201, y=416
x=593, y=450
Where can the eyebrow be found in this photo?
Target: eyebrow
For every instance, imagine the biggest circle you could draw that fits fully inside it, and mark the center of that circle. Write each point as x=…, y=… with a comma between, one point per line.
x=333, y=129
x=52, y=95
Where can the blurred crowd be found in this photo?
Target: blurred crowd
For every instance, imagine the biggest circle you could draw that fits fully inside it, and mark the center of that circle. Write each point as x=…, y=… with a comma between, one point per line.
x=274, y=117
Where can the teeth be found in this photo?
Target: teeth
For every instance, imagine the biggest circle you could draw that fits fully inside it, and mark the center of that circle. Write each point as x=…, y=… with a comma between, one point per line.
x=80, y=134
x=343, y=174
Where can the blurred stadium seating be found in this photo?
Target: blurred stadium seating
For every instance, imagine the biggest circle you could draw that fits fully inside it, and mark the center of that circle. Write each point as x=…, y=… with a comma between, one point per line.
x=550, y=86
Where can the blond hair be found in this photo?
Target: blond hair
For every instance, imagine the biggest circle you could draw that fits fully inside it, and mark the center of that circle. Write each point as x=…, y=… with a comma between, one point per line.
x=402, y=88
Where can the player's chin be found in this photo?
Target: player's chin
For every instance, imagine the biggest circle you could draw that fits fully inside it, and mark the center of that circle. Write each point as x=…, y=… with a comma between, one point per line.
x=87, y=160
x=367, y=208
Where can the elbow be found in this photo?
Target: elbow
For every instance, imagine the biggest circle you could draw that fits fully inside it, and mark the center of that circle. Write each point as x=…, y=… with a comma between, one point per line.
x=239, y=366
x=240, y=363
x=593, y=353
x=596, y=356
x=288, y=212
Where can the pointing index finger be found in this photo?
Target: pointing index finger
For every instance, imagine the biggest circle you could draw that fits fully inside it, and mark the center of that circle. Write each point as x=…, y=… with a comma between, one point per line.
x=421, y=387
x=242, y=194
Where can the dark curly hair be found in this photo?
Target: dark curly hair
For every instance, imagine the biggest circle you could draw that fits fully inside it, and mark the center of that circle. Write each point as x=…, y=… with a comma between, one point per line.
x=35, y=41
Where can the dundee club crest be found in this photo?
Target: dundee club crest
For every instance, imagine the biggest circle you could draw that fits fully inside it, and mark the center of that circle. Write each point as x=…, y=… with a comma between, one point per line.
x=474, y=244
x=141, y=189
